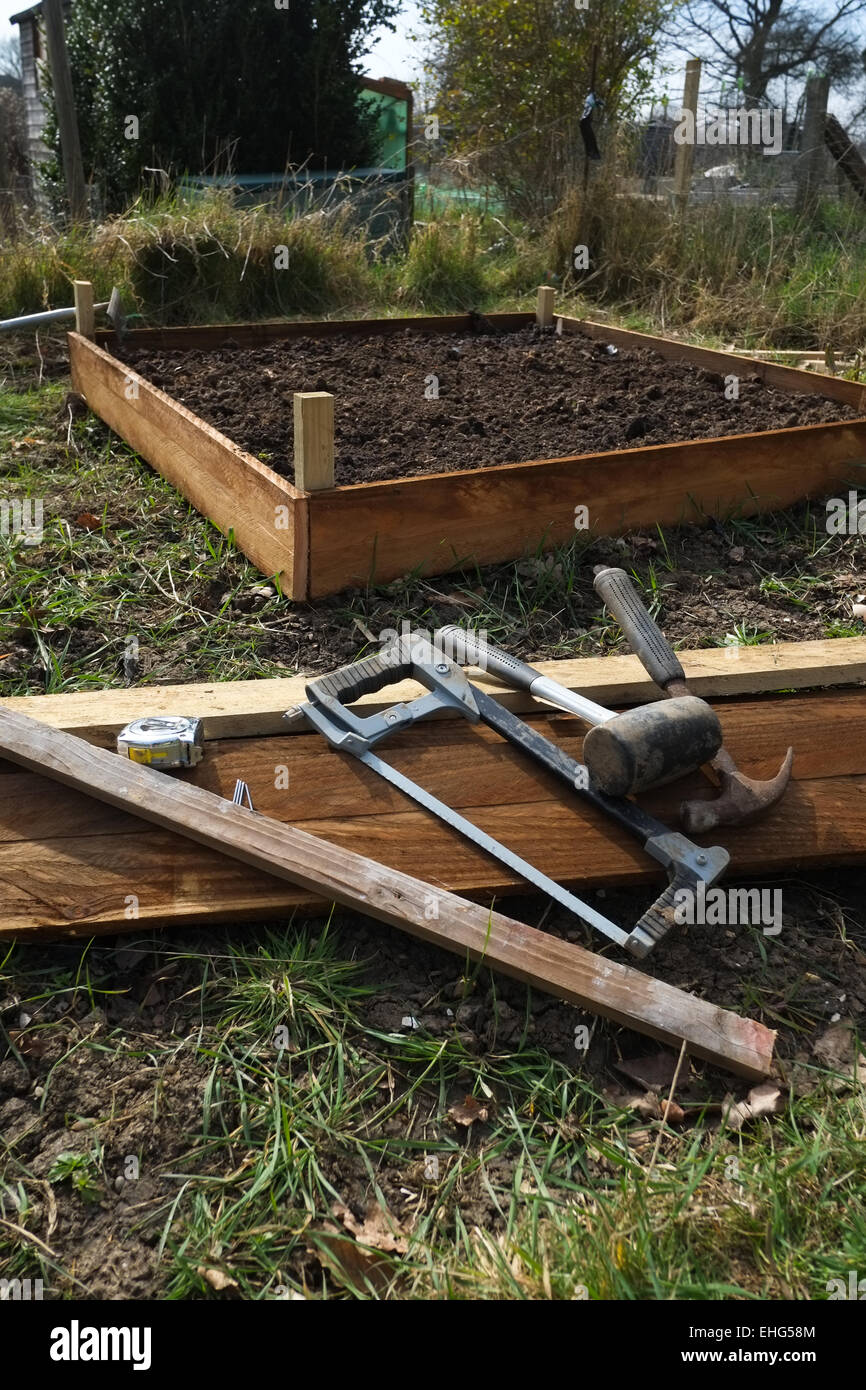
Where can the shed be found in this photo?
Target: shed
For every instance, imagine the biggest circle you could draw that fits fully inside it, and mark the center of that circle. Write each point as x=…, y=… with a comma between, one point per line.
x=31, y=36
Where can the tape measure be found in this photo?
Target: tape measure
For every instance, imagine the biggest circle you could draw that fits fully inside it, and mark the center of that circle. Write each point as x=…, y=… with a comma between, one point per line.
x=163, y=742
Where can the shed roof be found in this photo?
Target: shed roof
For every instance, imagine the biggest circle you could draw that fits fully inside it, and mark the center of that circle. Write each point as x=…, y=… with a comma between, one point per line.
x=32, y=12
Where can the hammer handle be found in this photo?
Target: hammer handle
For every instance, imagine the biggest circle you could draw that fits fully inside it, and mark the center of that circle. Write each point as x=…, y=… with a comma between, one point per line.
x=642, y=634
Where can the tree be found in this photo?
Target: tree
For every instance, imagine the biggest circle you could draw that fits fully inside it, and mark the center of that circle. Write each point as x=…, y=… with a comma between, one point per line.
x=761, y=42
x=511, y=76
x=10, y=57
x=215, y=85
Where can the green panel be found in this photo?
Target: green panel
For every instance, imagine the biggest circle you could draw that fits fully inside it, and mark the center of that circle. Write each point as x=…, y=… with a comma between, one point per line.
x=393, y=116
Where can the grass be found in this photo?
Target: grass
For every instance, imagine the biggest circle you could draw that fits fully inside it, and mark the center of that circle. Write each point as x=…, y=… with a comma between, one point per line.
x=758, y=276
x=755, y=276
x=184, y=260
x=300, y=1098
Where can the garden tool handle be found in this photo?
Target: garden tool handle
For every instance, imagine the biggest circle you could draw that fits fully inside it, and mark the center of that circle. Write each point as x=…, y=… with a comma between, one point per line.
x=642, y=634
x=360, y=678
x=468, y=649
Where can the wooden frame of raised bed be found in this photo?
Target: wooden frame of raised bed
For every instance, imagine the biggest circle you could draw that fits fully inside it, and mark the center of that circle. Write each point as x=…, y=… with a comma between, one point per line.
x=318, y=538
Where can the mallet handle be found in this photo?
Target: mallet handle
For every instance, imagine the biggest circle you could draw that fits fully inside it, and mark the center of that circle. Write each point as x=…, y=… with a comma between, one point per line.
x=642, y=634
x=469, y=649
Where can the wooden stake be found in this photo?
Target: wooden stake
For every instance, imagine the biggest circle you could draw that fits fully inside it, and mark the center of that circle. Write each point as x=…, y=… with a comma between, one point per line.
x=615, y=991
x=64, y=101
x=685, y=156
x=85, y=318
x=544, y=308
x=810, y=165
x=7, y=197
x=314, y=441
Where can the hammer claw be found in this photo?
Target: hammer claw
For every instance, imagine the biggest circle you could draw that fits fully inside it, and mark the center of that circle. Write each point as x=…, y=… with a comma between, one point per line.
x=741, y=800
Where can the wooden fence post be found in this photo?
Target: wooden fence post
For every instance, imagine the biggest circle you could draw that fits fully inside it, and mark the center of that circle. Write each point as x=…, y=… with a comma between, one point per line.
x=685, y=156
x=810, y=165
x=64, y=101
x=314, y=440
x=85, y=319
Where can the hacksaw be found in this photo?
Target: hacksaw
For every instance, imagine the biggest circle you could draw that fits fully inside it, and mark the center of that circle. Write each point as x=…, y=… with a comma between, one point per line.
x=448, y=689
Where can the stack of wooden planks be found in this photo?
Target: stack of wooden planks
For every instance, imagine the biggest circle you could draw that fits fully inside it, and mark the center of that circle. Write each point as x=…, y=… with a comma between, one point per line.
x=90, y=843
x=68, y=864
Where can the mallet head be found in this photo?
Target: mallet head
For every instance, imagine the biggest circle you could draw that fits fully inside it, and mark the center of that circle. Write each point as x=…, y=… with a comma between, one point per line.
x=651, y=745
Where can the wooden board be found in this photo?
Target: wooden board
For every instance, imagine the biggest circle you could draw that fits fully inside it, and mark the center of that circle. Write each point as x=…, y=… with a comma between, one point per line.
x=210, y=336
x=773, y=374
x=239, y=709
x=615, y=991
x=68, y=866
x=235, y=491
x=431, y=524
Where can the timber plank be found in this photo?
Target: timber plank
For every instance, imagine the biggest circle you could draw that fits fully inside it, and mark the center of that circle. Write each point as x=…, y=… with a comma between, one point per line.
x=378, y=531
x=472, y=766
x=239, y=709
x=852, y=393
x=235, y=491
x=821, y=820
x=616, y=991
x=79, y=883
x=205, y=337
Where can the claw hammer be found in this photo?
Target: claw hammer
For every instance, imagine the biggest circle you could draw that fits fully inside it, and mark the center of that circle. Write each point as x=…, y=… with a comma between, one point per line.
x=742, y=798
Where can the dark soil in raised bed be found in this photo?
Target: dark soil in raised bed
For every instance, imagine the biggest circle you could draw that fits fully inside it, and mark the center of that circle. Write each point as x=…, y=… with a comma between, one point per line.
x=503, y=398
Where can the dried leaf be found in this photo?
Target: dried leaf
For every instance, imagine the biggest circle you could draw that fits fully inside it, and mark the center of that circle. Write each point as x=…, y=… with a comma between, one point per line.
x=217, y=1278
x=655, y=1071
x=88, y=521
x=734, y=1113
x=361, y=1257
x=378, y=1229
x=764, y=1099
x=837, y=1050
x=761, y=1100
x=467, y=1111
x=647, y=1105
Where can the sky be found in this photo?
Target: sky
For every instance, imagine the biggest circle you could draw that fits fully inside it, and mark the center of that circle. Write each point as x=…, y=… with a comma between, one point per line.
x=392, y=55
x=6, y=9
x=395, y=55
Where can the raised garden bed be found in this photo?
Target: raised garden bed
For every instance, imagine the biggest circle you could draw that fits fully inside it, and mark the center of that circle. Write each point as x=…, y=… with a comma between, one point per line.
x=629, y=428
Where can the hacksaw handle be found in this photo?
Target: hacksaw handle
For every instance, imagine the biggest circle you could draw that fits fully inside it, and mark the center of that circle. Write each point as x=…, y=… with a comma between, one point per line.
x=642, y=634
x=360, y=678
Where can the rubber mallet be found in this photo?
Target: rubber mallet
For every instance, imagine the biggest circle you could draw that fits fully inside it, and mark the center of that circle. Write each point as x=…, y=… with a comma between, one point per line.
x=625, y=753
